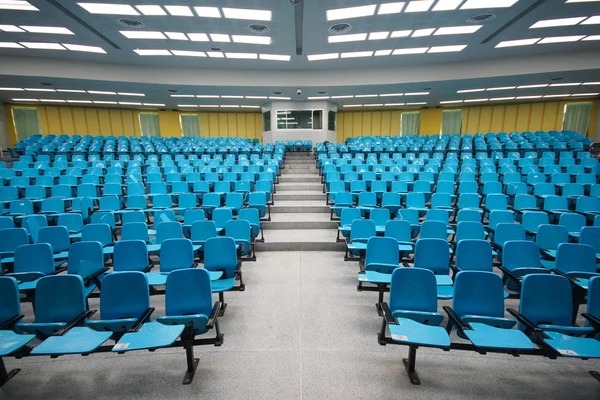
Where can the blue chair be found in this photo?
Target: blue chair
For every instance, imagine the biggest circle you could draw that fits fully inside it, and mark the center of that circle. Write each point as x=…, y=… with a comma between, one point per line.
x=588, y=206
x=532, y=221
x=6, y=223
x=590, y=235
x=382, y=255
x=506, y=232
x=97, y=233
x=433, y=255
x=20, y=207
x=104, y=217
x=401, y=231
x=220, y=255
x=573, y=222
x=168, y=230
x=342, y=200
x=361, y=231
x=520, y=257
x=73, y=222
x=577, y=261
x=366, y=202
x=132, y=216
x=380, y=216
x=57, y=237
x=135, y=231
x=473, y=255
x=86, y=259
x=210, y=201
x=348, y=215
x=251, y=215
x=32, y=262
x=235, y=202
x=164, y=216
x=549, y=237
x=130, y=255
x=240, y=231
x=433, y=230
x=221, y=216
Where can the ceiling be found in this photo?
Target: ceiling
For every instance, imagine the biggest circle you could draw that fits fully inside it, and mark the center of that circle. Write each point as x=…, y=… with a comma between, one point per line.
x=299, y=32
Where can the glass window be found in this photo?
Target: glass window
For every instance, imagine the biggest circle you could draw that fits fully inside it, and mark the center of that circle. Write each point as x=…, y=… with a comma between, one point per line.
x=267, y=121
x=290, y=119
x=317, y=119
x=149, y=124
x=331, y=120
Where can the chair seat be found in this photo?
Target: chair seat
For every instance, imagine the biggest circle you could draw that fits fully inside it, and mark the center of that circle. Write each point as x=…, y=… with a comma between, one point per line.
x=199, y=321
x=150, y=336
x=567, y=330
x=222, y=285
x=569, y=346
x=445, y=292
x=443, y=280
x=11, y=342
x=375, y=277
x=422, y=317
x=112, y=325
x=26, y=276
x=78, y=340
x=31, y=285
x=489, y=337
x=413, y=333
x=160, y=278
x=498, y=322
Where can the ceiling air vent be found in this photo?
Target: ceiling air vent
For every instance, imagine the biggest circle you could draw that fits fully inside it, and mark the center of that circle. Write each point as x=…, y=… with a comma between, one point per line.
x=481, y=18
x=339, y=29
x=131, y=23
x=258, y=28
x=321, y=93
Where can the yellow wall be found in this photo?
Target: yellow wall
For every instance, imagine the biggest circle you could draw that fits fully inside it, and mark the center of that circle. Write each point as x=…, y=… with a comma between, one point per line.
x=487, y=118
x=104, y=121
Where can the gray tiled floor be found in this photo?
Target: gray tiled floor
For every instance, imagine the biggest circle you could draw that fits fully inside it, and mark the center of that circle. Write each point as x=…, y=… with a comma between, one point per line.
x=300, y=330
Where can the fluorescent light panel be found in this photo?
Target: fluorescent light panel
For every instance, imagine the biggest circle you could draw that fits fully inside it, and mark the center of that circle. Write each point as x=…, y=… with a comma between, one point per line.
x=318, y=98
x=417, y=94
x=42, y=46
x=182, y=95
x=319, y=57
x=10, y=45
x=129, y=103
x=357, y=54
x=208, y=12
x=207, y=96
x=560, y=39
x=501, y=88
x=186, y=53
x=152, y=52
x=55, y=30
x=416, y=104
x=275, y=57
x=478, y=4
x=391, y=95
x=39, y=90
x=109, y=9
x=10, y=28
x=565, y=84
x=154, y=104
x=447, y=49
x=528, y=97
x=457, y=30
x=378, y=35
x=475, y=100
x=519, y=42
x=585, y=94
x=380, y=53
x=423, y=32
x=532, y=86
x=99, y=92
x=104, y=102
x=70, y=91
x=243, y=56
x=80, y=101
x=373, y=105
x=352, y=105
x=592, y=20
x=342, y=97
x=446, y=5
x=198, y=37
x=391, y=8
x=31, y=100
x=176, y=35
x=414, y=50
x=143, y=34
x=357, y=37
x=451, y=102
x=393, y=104
x=130, y=94
x=232, y=97
x=85, y=49
x=398, y=34
x=12, y=89
x=150, y=10
x=591, y=37
x=251, y=39
x=17, y=5
x=247, y=14
x=351, y=12
x=52, y=101
x=220, y=37
x=256, y=97
x=215, y=54
x=365, y=95
x=470, y=90
x=180, y=11
x=418, y=6
x=502, y=98
x=550, y=23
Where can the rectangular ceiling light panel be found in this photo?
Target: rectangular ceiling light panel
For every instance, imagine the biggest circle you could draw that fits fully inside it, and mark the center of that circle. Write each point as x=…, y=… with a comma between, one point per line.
x=351, y=12
x=85, y=49
x=143, y=34
x=151, y=10
x=109, y=9
x=518, y=42
x=447, y=5
x=418, y=6
x=180, y=11
x=477, y=4
x=247, y=14
x=391, y=8
x=208, y=12
x=249, y=39
x=54, y=30
x=551, y=23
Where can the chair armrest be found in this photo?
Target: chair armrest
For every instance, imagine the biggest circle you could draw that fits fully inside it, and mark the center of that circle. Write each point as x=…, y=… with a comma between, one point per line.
x=510, y=275
x=387, y=314
x=557, y=272
x=58, y=271
x=95, y=275
x=10, y=322
x=595, y=322
x=76, y=321
x=140, y=321
x=453, y=316
x=529, y=325
x=212, y=319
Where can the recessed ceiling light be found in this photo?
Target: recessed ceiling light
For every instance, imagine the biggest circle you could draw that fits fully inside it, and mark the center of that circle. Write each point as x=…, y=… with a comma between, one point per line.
x=565, y=84
x=191, y=105
x=457, y=30
x=208, y=12
x=418, y=6
x=198, y=37
x=39, y=90
x=342, y=97
x=248, y=14
x=318, y=98
x=476, y=4
x=393, y=104
x=474, y=100
x=399, y=34
x=470, y=90
x=182, y=95
x=130, y=94
x=256, y=97
x=549, y=23
x=176, y=35
x=365, y=95
x=12, y=89
x=275, y=57
x=356, y=54
x=417, y=94
x=186, y=53
x=416, y=104
x=180, y=11
x=451, y=102
x=447, y=5
x=215, y=54
x=378, y=35
x=110, y=9
x=42, y=46
x=207, y=96
x=550, y=96
x=528, y=97
x=501, y=88
x=154, y=104
x=447, y=49
x=55, y=30
x=326, y=56
x=80, y=101
x=30, y=100
x=347, y=38
x=519, y=42
x=10, y=28
x=585, y=94
x=249, y=106
x=373, y=105
x=592, y=37
x=16, y=5
x=351, y=12
x=52, y=101
x=152, y=52
x=414, y=50
x=151, y=10
x=532, y=86
x=243, y=56
x=560, y=39
x=99, y=92
x=10, y=45
x=502, y=98
x=85, y=49
x=380, y=53
x=423, y=32
x=592, y=20
x=251, y=39
x=143, y=34
x=220, y=37
x=391, y=95
x=70, y=91
x=104, y=102
x=232, y=97
x=391, y=8
x=279, y=98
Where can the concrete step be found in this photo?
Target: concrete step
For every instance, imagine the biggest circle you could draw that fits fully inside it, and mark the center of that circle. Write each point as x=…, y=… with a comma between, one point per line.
x=300, y=207
x=300, y=178
x=293, y=186
x=292, y=195
x=295, y=171
x=301, y=240
x=300, y=221
x=298, y=155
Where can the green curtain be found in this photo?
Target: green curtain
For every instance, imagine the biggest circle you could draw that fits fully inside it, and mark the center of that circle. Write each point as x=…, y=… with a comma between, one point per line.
x=149, y=124
x=577, y=118
x=190, y=126
x=451, y=121
x=410, y=123
x=27, y=122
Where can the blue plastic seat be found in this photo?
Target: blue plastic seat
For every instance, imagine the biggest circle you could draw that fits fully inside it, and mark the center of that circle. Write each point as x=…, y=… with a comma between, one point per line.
x=239, y=230
x=348, y=215
x=474, y=255
x=73, y=222
x=86, y=259
x=533, y=220
x=588, y=206
x=342, y=200
x=32, y=262
x=104, y=217
x=380, y=216
x=521, y=257
x=210, y=201
x=578, y=261
x=401, y=231
x=202, y=231
x=573, y=222
x=382, y=255
x=416, y=201
x=10, y=341
x=132, y=216
x=220, y=255
x=56, y=236
x=130, y=255
x=135, y=231
x=361, y=231
x=10, y=239
x=97, y=233
x=366, y=202
x=590, y=235
x=432, y=254
x=168, y=230
x=235, y=202
x=167, y=215
x=549, y=237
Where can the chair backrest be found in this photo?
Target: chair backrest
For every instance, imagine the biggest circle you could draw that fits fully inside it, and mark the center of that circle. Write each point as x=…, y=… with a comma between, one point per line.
x=500, y=217
x=478, y=293
x=410, y=215
x=56, y=236
x=162, y=201
x=12, y=238
x=362, y=229
x=380, y=216
x=572, y=221
x=132, y=216
x=469, y=230
x=192, y=216
x=382, y=254
x=176, y=254
x=97, y=233
x=164, y=216
x=168, y=230
x=188, y=293
x=474, y=255
x=85, y=258
x=9, y=298
x=546, y=299
x=72, y=221
x=574, y=257
x=532, y=220
x=349, y=215
x=367, y=199
x=399, y=230
x=124, y=295
x=59, y=298
x=220, y=216
x=432, y=254
x=590, y=235
x=130, y=255
x=520, y=254
x=468, y=215
x=433, y=230
x=34, y=258
x=220, y=255
x=550, y=236
x=585, y=204
x=203, y=230
x=413, y=289
x=135, y=231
